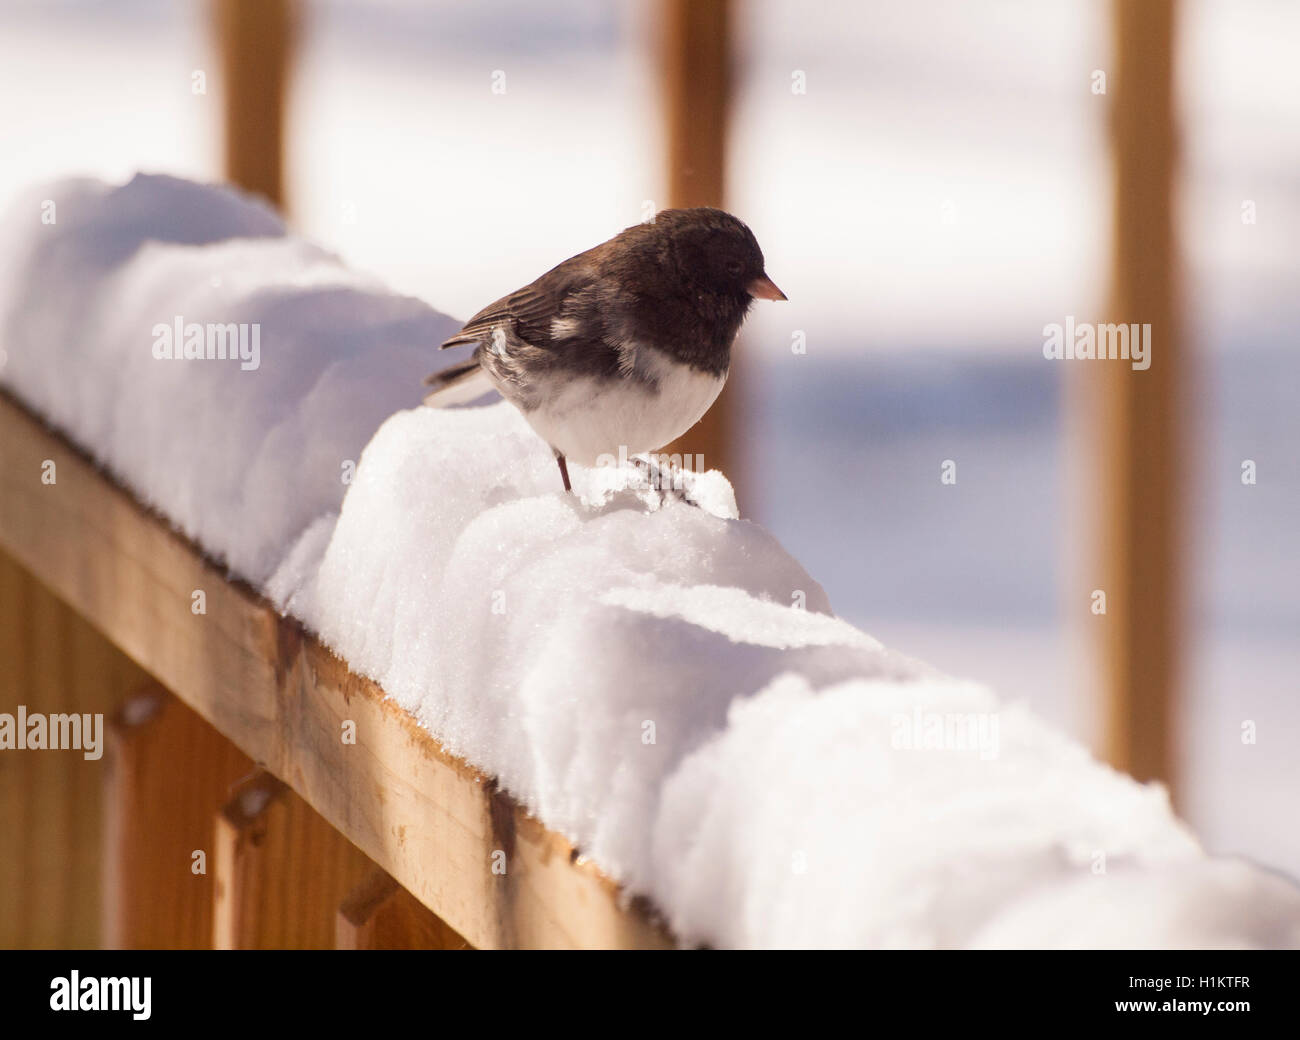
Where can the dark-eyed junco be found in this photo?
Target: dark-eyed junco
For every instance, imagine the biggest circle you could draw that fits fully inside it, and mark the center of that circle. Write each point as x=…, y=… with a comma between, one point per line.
x=626, y=345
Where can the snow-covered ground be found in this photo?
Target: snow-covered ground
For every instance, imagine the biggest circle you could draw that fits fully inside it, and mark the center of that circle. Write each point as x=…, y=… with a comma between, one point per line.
x=663, y=684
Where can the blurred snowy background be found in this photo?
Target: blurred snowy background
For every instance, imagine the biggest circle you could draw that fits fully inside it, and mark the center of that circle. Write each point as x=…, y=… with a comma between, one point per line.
x=939, y=194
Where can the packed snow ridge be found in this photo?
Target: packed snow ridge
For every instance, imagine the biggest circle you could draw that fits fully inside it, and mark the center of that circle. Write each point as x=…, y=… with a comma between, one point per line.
x=661, y=683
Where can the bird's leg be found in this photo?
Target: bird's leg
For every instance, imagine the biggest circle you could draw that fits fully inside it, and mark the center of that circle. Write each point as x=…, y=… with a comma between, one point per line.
x=564, y=471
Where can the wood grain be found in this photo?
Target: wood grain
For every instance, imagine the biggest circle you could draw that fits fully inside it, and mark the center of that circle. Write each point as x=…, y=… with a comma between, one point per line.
x=281, y=871
x=50, y=830
x=168, y=774
x=379, y=914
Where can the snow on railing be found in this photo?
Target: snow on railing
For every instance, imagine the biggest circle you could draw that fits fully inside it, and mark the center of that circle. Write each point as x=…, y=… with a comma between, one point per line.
x=659, y=683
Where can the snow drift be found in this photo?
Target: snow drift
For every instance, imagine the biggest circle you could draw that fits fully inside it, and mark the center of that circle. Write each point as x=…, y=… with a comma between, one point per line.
x=661, y=683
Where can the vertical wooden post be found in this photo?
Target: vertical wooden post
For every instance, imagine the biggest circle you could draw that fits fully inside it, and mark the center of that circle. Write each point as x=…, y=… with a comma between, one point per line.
x=254, y=38
x=379, y=914
x=281, y=871
x=1137, y=413
x=697, y=76
x=168, y=774
x=52, y=662
x=696, y=68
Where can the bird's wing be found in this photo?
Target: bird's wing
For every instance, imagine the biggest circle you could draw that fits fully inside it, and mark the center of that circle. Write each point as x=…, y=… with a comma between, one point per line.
x=528, y=314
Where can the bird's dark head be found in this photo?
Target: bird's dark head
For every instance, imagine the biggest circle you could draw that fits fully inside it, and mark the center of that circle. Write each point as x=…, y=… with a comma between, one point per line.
x=717, y=253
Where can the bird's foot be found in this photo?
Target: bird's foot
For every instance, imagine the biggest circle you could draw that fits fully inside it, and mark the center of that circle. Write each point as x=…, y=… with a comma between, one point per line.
x=668, y=480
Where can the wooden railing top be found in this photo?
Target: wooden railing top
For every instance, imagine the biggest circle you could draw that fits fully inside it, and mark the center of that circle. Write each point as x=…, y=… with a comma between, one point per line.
x=428, y=818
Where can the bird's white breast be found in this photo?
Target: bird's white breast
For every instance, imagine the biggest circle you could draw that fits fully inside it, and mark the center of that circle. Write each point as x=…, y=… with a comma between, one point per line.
x=591, y=417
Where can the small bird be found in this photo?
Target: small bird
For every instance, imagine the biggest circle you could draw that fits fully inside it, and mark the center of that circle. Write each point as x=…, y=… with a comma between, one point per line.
x=623, y=346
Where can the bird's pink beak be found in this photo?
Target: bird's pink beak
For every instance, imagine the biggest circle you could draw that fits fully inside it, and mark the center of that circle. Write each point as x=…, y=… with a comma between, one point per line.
x=764, y=287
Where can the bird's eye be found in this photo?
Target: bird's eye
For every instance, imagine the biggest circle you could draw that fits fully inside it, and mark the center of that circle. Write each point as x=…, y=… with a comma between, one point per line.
x=734, y=267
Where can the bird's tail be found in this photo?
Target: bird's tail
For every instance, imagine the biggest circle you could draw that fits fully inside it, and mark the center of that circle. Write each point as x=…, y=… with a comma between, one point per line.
x=457, y=385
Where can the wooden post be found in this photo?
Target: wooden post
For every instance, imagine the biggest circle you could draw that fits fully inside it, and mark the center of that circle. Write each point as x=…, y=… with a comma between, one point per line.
x=696, y=68
x=169, y=772
x=52, y=662
x=281, y=871
x=379, y=914
x=254, y=38
x=1136, y=417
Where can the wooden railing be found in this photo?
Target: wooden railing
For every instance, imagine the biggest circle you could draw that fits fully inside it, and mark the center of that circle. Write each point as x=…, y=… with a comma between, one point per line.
x=231, y=808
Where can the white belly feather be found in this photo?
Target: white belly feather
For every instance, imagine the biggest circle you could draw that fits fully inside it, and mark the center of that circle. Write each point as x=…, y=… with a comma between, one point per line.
x=592, y=417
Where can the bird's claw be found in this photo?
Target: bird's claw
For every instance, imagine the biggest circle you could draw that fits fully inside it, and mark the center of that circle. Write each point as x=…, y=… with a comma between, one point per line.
x=667, y=481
